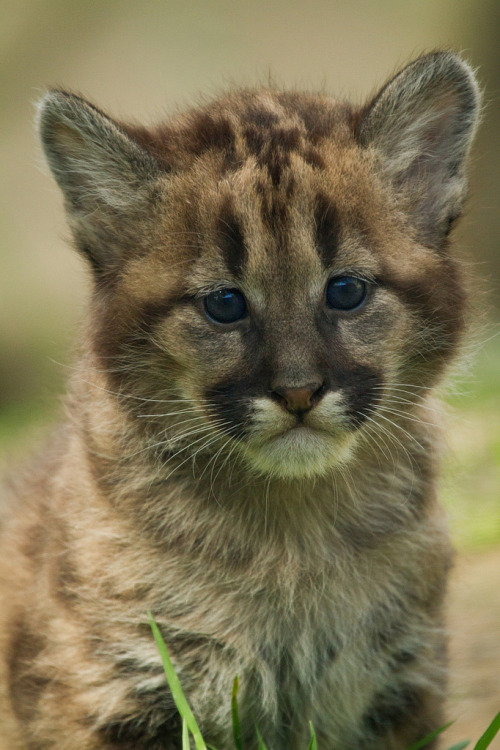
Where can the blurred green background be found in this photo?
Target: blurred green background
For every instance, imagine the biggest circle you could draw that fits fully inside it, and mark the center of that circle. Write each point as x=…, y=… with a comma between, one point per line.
x=141, y=60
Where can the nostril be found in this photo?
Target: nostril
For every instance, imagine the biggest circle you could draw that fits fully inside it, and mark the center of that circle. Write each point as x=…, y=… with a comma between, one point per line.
x=299, y=400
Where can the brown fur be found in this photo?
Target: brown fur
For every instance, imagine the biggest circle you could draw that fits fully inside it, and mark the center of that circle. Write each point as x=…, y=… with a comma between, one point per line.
x=265, y=486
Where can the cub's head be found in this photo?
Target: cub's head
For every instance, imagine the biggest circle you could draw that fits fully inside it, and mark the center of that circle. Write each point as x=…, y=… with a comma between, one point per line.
x=272, y=272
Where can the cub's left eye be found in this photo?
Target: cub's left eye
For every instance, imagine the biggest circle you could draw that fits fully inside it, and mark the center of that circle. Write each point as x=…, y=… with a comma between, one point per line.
x=225, y=305
x=346, y=293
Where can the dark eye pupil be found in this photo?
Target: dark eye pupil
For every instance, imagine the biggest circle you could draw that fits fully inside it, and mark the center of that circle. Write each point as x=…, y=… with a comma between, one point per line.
x=225, y=305
x=345, y=292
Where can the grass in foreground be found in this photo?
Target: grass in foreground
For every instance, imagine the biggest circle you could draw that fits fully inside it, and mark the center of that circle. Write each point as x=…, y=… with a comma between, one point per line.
x=190, y=726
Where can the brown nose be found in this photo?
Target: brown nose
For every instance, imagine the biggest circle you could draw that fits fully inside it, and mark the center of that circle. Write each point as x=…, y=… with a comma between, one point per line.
x=299, y=400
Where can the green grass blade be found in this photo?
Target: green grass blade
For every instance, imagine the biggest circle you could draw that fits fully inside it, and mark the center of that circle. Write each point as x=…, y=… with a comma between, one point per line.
x=238, y=742
x=313, y=745
x=460, y=746
x=175, y=687
x=489, y=735
x=185, y=735
x=261, y=741
x=429, y=737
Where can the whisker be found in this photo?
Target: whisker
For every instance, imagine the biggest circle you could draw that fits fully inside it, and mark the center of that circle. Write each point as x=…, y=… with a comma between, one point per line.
x=225, y=461
x=120, y=394
x=191, y=409
x=398, y=426
x=389, y=386
x=399, y=413
x=417, y=404
x=203, y=447
x=372, y=432
x=267, y=492
x=146, y=399
x=213, y=459
x=393, y=438
x=171, y=427
x=177, y=438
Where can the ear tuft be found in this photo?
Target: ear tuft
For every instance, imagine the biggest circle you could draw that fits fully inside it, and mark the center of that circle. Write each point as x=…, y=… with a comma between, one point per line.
x=91, y=156
x=421, y=125
x=108, y=179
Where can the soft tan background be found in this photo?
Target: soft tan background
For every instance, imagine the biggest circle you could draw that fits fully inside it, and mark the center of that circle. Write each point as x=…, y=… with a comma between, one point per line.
x=144, y=59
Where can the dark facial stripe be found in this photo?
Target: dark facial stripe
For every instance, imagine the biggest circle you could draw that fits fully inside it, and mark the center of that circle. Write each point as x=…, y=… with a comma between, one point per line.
x=327, y=229
x=274, y=211
x=359, y=386
x=229, y=400
x=125, y=336
x=230, y=240
x=152, y=313
x=440, y=301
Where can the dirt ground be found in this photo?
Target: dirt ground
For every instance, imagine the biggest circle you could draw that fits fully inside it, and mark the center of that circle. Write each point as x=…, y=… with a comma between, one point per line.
x=474, y=622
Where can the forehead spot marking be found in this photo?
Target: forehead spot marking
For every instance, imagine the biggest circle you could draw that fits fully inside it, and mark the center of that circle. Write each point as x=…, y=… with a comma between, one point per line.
x=328, y=229
x=230, y=239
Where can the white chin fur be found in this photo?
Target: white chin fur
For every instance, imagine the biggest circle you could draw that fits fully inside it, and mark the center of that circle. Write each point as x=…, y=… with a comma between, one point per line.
x=300, y=452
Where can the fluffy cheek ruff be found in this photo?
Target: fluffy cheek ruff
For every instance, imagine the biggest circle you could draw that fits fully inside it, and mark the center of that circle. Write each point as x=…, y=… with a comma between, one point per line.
x=279, y=446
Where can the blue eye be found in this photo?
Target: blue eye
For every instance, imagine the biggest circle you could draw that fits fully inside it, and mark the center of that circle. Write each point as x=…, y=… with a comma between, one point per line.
x=225, y=305
x=345, y=293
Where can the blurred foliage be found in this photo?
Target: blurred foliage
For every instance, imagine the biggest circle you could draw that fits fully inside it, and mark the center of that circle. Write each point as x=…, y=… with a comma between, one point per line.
x=470, y=488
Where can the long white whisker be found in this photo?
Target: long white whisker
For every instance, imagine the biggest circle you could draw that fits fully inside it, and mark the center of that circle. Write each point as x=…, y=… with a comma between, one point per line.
x=416, y=404
x=198, y=417
x=398, y=426
x=372, y=432
x=214, y=457
x=389, y=386
x=173, y=439
x=190, y=409
x=399, y=413
x=393, y=438
x=192, y=456
x=225, y=461
x=119, y=394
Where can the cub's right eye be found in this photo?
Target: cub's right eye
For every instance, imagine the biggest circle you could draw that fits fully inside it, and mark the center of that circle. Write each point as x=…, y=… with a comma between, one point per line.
x=225, y=306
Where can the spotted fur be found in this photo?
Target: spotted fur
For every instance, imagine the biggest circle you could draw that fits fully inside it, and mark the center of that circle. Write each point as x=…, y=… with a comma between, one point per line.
x=265, y=486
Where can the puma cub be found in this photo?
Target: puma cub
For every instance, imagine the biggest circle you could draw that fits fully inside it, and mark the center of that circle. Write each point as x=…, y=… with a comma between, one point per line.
x=251, y=445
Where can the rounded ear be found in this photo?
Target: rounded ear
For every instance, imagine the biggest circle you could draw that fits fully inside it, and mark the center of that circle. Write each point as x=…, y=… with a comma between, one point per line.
x=103, y=173
x=421, y=124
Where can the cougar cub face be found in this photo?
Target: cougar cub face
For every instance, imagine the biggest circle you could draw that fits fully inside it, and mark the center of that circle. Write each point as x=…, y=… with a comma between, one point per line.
x=278, y=327
x=269, y=267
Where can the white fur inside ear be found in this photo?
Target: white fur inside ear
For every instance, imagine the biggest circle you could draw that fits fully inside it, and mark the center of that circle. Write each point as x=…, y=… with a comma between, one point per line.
x=107, y=178
x=421, y=126
x=92, y=158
